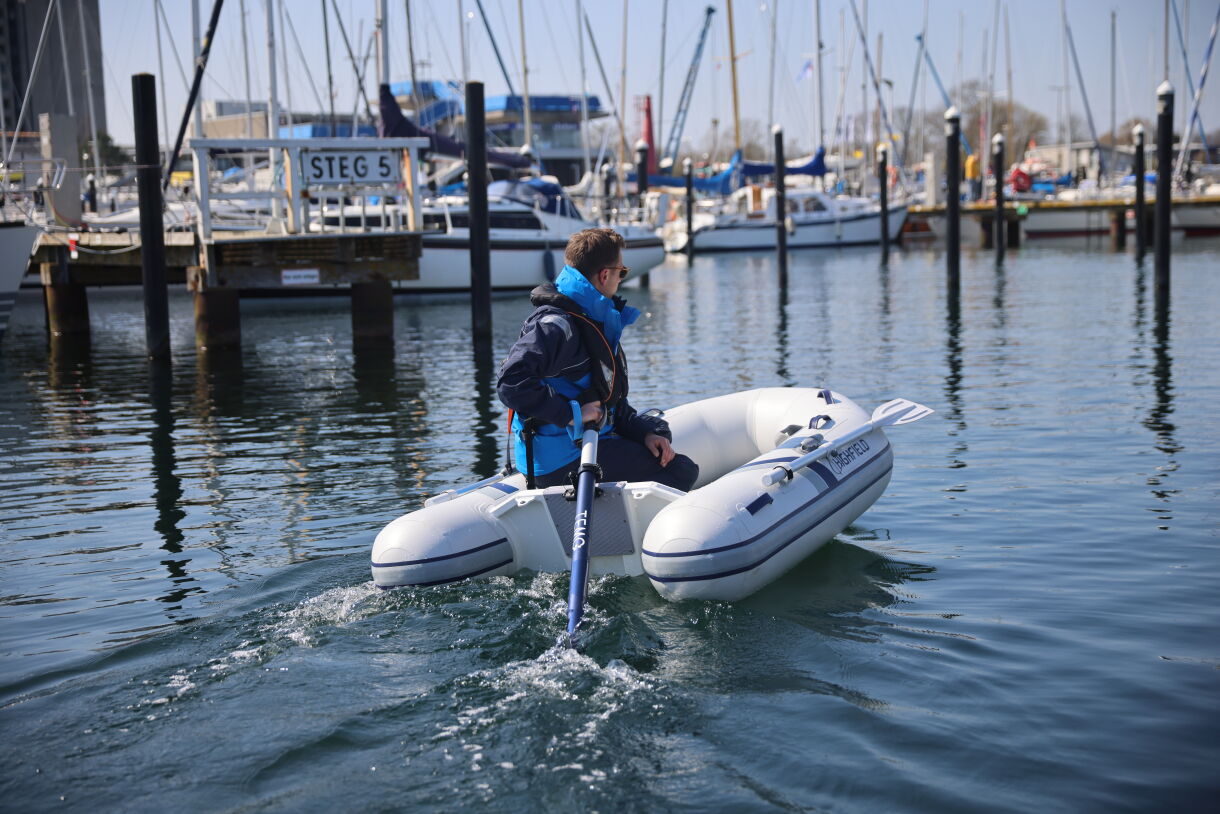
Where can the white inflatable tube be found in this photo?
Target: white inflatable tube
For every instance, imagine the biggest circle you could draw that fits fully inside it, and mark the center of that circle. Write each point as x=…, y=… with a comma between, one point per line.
x=781, y=471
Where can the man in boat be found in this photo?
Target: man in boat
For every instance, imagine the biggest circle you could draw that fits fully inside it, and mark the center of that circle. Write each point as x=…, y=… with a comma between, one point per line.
x=569, y=354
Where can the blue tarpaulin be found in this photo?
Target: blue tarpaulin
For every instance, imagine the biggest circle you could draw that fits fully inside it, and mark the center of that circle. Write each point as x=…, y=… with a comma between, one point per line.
x=722, y=183
x=816, y=165
x=535, y=192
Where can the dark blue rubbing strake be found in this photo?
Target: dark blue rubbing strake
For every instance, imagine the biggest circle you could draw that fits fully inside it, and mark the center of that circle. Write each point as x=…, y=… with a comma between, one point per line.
x=586, y=487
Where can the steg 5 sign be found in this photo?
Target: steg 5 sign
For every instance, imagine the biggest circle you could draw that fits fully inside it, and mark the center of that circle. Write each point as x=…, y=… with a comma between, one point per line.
x=352, y=167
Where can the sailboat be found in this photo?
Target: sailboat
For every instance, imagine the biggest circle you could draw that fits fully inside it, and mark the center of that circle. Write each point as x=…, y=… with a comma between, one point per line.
x=747, y=218
x=530, y=221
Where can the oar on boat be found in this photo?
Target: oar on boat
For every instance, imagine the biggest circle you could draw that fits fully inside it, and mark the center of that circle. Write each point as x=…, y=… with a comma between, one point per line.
x=892, y=413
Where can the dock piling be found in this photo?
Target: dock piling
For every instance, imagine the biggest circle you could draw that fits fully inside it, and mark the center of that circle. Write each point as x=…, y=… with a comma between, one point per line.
x=476, y=187
x=883, y=155
x=67, y=304
x=953, y=200
x=997, y=172
x=1118, y=230
x=781, y=204
x=1164, y=174
x=688, y=170
x=217, y=319
x=372, y=313
x=152, y=227
x=1141, y=209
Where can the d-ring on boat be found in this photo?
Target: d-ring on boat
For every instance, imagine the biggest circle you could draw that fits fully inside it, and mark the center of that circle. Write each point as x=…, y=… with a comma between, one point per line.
x=781, y=472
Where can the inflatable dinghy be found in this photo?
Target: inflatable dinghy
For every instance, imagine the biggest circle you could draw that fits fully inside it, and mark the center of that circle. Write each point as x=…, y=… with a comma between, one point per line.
x=781, y=472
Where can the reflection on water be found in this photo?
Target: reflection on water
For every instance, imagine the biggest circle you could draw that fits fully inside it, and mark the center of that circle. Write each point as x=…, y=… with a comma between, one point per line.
x=167, y=486
x=222, y=516
x=485, y=432
x=953, y=380
x=375, y=376
x=1159, y=419
x=997, y=298
x=781, y=330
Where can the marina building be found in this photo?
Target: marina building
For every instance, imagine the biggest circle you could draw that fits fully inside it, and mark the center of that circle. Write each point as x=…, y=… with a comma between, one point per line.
x=61, y=85
x=555, y=121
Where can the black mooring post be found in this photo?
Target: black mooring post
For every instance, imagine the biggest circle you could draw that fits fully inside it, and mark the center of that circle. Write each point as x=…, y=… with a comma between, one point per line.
x=1141, y=208
x=883, y=160
x=1164, y=177
x=152, y=229
x=641, y=169
x=476, y=190
x=688, y=170
x=953, y=200
x=997, y=172
x=781, y=204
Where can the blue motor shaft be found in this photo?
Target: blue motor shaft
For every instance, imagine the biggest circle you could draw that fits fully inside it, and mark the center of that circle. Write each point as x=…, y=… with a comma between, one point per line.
x=586, y=487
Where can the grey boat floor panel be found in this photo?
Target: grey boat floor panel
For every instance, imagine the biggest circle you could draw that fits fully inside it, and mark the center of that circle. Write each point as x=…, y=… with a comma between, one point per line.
x=612, y=533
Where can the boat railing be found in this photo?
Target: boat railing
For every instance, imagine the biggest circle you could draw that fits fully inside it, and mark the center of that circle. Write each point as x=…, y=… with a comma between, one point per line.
x=367, y=172
x=25, y=185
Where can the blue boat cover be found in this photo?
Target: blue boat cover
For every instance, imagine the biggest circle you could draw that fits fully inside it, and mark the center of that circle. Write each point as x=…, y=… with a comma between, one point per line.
x=395, y=125
x=722, y=183
x=816, y=165
x=535, y=192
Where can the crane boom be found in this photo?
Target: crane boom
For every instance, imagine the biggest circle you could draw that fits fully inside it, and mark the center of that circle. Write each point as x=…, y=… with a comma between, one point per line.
x=688, y=90
x=944, y=94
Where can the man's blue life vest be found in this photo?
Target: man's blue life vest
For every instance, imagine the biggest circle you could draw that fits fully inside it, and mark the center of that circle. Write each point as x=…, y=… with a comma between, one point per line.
x=599, y=322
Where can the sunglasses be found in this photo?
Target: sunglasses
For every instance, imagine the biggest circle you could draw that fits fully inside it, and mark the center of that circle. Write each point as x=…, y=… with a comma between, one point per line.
x=623, y=271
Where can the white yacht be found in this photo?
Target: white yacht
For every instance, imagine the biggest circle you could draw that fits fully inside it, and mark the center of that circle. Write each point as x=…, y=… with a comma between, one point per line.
x=530, y=222
x=746, y=220
x=17, y=238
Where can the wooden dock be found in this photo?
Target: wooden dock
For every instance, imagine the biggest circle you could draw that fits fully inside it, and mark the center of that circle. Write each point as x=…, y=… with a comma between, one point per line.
x=1021, y=207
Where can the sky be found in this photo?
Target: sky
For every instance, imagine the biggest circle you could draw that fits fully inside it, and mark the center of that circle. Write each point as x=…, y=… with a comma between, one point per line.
x=129, y=43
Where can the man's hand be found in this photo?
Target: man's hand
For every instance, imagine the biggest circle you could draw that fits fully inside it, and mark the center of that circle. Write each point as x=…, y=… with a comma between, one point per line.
x=591, y=413
x=659, y=446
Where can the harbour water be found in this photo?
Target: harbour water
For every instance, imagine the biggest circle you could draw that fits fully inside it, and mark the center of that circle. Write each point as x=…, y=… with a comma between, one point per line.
x=1026, y=620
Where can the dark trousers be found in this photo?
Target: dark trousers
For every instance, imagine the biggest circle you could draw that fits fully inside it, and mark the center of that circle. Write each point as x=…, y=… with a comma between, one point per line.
x=621, y=459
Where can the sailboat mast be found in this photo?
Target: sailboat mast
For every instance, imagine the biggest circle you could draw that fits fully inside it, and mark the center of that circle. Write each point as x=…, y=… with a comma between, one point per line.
x=525, y=78
x=584, y=91
x=771, y=82
x=622, y=95
x=961, y=39
x=63, y=46
x=1166, y=40
x=1067, y=89
x=661, y=81
x=160, y=73
x=330, y=74
x=817, y=39
x=1010, y=128
x=273, y=109
x=279, y=5
x=383, y=49
x=462, y=42
x=845, y=58
x=197, y=129
x=1113, y=98
x=995, y=52
x=247, y=161
x=733, y=70
x=915, y=80
x=411, y=56
x=97, y=165
x=865, y=119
